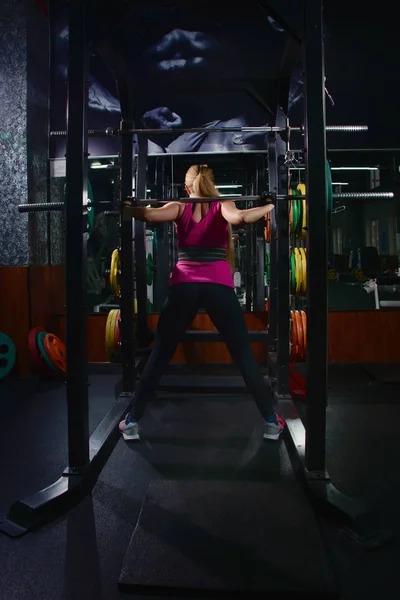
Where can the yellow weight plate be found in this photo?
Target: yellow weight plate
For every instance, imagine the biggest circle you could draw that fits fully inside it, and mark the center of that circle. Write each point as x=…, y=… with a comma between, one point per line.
x=115, y=271
x=302, y=189
x=303, y=255
x=302, y=233
x=110, y=333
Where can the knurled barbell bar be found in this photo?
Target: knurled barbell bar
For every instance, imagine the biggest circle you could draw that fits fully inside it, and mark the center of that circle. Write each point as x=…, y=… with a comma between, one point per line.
x=111, y=132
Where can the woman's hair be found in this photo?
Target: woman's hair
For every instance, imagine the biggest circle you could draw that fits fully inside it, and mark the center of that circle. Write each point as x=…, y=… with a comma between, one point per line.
x=200, y=181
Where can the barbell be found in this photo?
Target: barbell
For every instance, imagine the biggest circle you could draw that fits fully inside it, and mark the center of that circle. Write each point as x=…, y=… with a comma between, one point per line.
x=112, y=132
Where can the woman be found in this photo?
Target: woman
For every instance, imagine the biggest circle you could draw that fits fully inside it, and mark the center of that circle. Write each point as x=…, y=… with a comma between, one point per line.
x=203, y=278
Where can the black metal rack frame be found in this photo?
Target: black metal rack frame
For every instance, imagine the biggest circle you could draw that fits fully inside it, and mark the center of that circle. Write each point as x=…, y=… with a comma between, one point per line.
x=87, y=455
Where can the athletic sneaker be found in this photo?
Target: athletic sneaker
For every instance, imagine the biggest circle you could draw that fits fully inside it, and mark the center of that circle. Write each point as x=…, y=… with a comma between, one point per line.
x=273, y=430
x=129, y=429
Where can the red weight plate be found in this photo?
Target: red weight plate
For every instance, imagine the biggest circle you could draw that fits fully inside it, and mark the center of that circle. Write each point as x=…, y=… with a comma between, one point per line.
x=55, y=351
x=35, y=354
x=301, y=336
x=293, y=337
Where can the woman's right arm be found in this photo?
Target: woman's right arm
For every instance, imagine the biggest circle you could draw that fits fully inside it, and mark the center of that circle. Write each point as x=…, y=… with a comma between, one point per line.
x=235, y=216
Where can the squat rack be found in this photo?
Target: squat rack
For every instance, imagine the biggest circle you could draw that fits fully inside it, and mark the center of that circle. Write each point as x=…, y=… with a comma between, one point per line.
x=87, y=455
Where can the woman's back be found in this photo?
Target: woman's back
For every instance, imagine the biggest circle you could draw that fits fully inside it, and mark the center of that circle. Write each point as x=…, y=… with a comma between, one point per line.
x=202, y=247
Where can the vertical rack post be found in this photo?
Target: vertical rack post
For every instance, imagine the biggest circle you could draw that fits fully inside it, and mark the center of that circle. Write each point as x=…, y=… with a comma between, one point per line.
x=126, y=232
x=317, y=255
x=143, y=332
x=76, y=236
x=273, y=283
x=283, y=264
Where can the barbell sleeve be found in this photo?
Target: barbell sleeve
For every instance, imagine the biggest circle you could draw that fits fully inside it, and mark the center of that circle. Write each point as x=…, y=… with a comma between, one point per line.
x=41, y=207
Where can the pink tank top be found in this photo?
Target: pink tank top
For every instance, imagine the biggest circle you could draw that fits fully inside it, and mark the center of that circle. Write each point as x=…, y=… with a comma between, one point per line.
x=211, y=232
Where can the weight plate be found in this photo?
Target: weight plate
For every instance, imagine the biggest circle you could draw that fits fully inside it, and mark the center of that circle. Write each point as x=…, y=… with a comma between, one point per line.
x=110, y=334
x=301, y=188
x=293, y=273
x=299, y=264
x=117, y=331
x=290, y=212
x=303, y=255
x=298, y=270
x=55, y=351
x=35, y=355
x=304, y=320
x=329, y=191
x=301, y=269
x=149, y=269
x=295, y=211
x=293, y=336
x=115, y=271
x=300, y=335
x=301, y=192
x=267, y=230
x=300, y=225
x=298, y=217
x=8, y=355
x=40, y=343
x=267, y=266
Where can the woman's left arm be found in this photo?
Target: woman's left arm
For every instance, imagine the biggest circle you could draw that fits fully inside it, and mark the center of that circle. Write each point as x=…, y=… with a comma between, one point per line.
x=163, y=214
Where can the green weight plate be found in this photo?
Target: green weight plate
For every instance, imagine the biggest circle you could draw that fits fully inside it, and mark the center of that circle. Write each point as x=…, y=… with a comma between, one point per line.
x=149, y=269
x=329, y=191
x=39, y=341
x=296, y=213
x=155, y=240
x=300, y=215
x=293, y=274
x=7, y=355
x=267, y=266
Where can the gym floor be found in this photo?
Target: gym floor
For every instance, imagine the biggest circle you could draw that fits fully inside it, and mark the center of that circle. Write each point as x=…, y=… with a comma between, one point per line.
x=80, y=556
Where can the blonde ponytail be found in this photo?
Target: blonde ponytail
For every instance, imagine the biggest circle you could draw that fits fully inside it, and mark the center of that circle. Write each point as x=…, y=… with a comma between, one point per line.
x=200, y=180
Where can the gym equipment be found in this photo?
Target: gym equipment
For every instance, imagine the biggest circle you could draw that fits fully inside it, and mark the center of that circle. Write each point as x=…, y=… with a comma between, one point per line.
x=329, y=191
x=304, y=269
x=42, y=350
x=89, y=206
x=267, y=229
x=8, y=355
x=359, y=275
x=332, y=274
x=90, y=209
x=115, y=272
x=298, y=335
x=302, y=231
x=267, y=266
x=149, y=269
x=111, y=132
x=37, y=359
x=112, y=334
x=298, y=276
x=117, y=331
x=55, y=352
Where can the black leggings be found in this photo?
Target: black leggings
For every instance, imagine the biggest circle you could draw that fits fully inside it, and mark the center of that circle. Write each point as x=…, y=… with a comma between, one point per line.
x=178, y=312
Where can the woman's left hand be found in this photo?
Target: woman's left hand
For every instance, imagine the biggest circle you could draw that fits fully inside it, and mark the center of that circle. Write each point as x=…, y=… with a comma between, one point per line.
x=132, y=212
